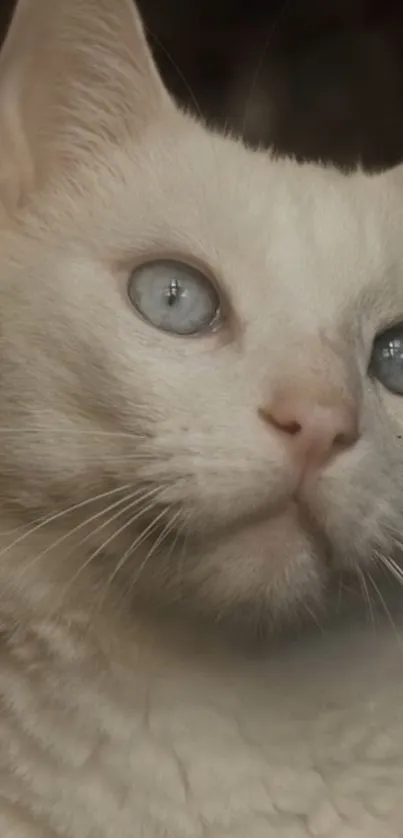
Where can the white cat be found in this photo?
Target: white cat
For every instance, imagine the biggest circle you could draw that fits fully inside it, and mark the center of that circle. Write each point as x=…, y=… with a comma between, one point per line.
x=200, y=420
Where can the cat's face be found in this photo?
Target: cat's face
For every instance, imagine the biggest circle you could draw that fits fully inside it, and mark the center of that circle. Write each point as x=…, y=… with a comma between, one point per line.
x=264, y=450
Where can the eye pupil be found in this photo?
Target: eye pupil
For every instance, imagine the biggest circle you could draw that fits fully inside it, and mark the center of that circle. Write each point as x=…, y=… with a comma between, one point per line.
x=174, y=292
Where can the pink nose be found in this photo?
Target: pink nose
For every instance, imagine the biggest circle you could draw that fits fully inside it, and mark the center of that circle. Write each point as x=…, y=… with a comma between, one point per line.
x=313, y=433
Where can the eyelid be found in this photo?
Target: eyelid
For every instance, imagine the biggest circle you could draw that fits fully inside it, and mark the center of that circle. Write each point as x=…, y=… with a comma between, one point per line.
x=390, y=326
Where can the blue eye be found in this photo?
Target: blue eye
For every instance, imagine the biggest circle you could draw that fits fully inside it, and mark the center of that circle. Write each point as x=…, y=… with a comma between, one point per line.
x=387, y=359
x=175, y=297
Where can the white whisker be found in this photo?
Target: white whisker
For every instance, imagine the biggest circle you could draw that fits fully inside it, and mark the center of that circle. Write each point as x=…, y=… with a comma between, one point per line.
x=44, y=522
x=392, y=566
x=160, y=540
x=48, y=429
x=367, y=597
x=126, y=502
x=386, y=609
x=156, y=495
x=135, y=544
x=181, y=557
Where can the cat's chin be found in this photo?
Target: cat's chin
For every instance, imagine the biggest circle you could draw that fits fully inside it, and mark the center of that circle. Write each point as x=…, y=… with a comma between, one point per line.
x=275, y=565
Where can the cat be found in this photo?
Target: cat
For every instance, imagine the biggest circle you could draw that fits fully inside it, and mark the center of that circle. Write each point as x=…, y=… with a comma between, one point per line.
x=201, y=423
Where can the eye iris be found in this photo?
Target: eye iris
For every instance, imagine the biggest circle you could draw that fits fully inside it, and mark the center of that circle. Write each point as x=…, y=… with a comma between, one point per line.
x=387, y=359
x=174, y=297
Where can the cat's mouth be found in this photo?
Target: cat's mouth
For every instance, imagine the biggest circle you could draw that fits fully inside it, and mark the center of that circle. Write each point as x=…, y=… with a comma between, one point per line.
x=294, y=512
x=285, y=522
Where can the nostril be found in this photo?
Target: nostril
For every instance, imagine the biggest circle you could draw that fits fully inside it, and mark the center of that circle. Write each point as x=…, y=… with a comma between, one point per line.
x=340, y=442
x=344, y=439
x=291, y=426
x=320, y=430
x=286, y=426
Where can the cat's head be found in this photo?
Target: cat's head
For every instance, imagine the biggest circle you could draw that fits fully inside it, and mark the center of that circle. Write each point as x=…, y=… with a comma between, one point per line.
x=191, y=326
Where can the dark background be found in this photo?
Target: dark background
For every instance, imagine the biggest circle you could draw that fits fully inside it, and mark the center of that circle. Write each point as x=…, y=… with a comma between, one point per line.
x=321, y=79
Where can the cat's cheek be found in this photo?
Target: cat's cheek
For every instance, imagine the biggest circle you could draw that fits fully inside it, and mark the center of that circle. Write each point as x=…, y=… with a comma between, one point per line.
x=359, y=511
x=272, y=563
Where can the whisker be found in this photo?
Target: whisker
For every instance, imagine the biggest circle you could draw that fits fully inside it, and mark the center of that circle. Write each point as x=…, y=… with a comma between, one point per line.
x=177, y=69
x=181, y=558
x=392, y=566
x=396, y=567
x=272, y=29
x=44, y=522
x=135, y=544
x=339, y=596
x=128, y=502
x=314, y=618
x=45, y=518
x=160, y=540
x=49, y=429
x=156, y=497
x=386, y=609
x=367, y=597
x=133, y=456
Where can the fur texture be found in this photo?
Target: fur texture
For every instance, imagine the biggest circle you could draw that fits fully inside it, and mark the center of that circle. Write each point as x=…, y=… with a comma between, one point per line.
x=143, y=475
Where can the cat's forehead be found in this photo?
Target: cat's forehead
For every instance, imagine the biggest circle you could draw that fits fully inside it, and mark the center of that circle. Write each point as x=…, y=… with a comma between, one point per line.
x=270, y=230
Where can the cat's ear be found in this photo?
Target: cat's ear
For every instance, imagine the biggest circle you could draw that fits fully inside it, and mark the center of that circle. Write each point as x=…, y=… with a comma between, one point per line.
x=74, y=74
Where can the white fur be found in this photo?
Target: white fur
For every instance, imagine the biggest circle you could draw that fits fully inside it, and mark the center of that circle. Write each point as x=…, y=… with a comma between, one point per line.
x=111, y=724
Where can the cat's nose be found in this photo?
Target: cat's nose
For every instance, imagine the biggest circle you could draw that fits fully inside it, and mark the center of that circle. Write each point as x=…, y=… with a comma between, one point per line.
x=313, y=433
